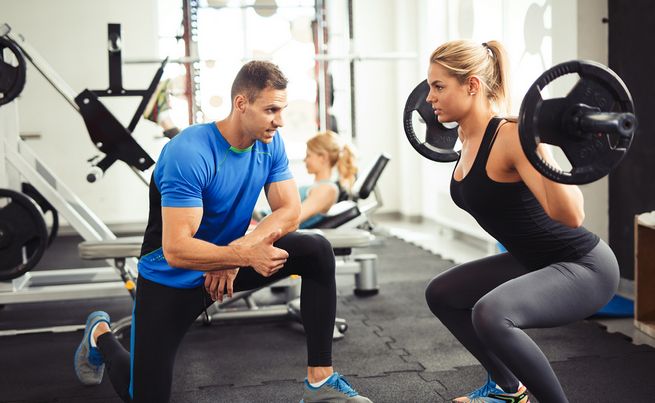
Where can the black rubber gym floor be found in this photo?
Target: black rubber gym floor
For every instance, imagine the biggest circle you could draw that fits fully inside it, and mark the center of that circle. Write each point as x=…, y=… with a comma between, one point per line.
x=394, y=350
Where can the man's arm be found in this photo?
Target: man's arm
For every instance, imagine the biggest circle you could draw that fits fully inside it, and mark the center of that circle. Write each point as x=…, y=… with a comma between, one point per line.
x=182, y=250
x=285, y=203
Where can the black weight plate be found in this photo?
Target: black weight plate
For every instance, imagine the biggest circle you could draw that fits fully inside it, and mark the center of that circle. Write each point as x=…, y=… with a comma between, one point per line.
x=46, y=208
x=439, y=144
x=542, y=121
x=12, y=75
x=24, y=234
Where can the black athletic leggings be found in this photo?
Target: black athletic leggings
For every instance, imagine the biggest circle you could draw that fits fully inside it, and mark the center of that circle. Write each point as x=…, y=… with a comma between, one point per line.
x=486, y=303
x=162, y=315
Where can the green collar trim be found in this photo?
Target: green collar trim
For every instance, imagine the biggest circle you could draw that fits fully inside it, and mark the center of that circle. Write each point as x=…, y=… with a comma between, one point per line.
x=240, y=150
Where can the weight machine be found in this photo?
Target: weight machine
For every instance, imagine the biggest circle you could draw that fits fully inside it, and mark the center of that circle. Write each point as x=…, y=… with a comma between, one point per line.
x=32, y=189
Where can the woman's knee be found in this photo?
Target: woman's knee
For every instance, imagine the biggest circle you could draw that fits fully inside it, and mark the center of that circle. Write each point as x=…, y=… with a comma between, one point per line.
x=489, y=318
x=438, y=295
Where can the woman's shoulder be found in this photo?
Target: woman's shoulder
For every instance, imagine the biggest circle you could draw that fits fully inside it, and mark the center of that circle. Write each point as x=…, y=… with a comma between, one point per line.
x=508, y=138
x=326, y=184
x=327, y=187
x=508, y=128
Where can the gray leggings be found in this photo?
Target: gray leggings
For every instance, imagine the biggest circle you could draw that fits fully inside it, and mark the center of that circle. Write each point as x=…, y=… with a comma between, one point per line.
x=486, y=303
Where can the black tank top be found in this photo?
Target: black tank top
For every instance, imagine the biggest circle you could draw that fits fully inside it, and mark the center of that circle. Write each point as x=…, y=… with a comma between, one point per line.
x=512, y=215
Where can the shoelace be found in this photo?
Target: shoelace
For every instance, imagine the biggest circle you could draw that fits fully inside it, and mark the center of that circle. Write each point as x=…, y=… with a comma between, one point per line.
x=343, y=386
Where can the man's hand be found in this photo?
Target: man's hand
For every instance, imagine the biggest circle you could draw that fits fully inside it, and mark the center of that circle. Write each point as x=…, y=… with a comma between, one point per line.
x=262, y=256
x=217, y=281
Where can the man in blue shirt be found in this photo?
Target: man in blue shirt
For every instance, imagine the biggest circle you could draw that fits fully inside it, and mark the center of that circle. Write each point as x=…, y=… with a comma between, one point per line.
x=195, y=248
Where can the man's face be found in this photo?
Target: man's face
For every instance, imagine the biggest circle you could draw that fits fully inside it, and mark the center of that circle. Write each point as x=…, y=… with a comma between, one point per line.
x=263, y=116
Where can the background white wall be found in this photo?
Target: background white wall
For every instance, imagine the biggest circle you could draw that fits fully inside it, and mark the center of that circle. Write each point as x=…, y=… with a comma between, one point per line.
x=74, y=43
x=71, y=35
x=537, y=34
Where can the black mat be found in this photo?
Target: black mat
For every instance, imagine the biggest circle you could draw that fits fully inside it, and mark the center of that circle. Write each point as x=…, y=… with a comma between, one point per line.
x=394, y=351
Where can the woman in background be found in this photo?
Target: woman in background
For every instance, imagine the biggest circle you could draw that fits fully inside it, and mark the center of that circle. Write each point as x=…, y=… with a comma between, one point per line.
x=325, y=151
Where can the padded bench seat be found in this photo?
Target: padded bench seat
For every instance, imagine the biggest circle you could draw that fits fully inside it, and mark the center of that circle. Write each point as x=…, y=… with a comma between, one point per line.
x=131, y=246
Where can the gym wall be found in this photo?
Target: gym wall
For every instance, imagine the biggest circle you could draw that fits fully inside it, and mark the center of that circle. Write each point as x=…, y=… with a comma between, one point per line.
x=71, y=35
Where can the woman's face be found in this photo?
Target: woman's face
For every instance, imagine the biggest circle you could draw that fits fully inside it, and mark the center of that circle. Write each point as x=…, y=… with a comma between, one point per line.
x=449, y=98
x=314, y=161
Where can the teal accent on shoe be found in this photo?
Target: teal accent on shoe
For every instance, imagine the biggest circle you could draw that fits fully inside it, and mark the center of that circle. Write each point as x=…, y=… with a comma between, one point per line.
x=491, y=393
x=88, y=362
x=95, y=357
x=485, y=390
x=335, y=389
x=340, y=383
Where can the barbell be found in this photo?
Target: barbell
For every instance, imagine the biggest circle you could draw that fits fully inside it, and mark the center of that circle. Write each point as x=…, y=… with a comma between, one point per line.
x=594, y=124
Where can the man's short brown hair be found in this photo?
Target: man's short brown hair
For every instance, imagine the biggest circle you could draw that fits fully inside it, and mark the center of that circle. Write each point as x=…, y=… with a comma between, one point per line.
x=255, y=76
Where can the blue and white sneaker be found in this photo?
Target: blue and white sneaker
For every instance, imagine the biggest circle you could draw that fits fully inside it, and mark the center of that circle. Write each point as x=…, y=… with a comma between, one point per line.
x=492, y=393
x=89, y=364
x=335, y=389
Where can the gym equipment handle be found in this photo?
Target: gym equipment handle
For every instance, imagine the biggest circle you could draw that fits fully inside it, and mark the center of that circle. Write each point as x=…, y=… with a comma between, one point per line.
x=97, y=171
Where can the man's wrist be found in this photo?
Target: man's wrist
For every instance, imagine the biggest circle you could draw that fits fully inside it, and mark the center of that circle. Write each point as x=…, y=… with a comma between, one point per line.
x=241, y=253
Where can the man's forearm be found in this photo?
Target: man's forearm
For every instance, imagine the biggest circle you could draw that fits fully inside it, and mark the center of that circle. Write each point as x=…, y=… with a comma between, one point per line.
x=284, y=219
x=197, y=254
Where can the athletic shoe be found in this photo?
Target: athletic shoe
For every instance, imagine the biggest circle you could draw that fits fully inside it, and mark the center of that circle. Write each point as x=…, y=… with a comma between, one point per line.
x=89, y=364
x=491, y=393
x=335, y=389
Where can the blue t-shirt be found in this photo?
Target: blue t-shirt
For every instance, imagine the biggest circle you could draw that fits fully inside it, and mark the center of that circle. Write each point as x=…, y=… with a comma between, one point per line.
x=199, y=168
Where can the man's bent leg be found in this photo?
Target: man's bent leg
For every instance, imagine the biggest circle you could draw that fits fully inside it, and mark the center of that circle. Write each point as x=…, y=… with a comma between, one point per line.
x=311, y=257
x=117, y=364
x=162, y=316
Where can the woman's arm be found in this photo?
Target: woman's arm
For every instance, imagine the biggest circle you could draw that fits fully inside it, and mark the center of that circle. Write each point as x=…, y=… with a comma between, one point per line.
x=563, y=203
x=319, y=200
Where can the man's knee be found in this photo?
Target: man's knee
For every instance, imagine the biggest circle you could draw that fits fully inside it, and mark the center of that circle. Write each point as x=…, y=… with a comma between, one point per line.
x=321, y=250
x=312, y=251
x=313, y=246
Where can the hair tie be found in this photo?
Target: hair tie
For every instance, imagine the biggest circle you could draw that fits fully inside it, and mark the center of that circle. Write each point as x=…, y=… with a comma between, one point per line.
x=491, y=53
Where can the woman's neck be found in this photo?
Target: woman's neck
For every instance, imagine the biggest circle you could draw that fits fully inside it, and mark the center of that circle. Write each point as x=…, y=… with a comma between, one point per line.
x=473, y=125
x=323, y=174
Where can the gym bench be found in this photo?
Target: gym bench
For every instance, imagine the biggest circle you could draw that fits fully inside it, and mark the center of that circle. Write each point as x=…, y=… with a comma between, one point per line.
x=343, y=241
